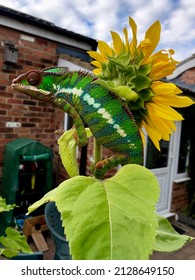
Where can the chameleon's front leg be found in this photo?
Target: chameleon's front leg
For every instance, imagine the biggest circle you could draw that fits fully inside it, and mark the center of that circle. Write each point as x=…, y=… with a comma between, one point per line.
x=81, y=136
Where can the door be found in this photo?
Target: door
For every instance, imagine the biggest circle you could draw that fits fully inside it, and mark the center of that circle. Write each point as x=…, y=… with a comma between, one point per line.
x=161, y=164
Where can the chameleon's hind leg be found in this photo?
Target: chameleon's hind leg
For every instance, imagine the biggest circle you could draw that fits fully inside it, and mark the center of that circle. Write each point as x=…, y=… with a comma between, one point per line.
x=104, y=165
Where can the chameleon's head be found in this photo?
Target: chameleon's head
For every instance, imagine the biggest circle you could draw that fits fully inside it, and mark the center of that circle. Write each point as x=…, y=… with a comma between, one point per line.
x=40, y=84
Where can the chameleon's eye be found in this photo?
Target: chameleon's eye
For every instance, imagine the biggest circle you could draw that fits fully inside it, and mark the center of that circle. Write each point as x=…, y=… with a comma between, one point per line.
x=34, y=78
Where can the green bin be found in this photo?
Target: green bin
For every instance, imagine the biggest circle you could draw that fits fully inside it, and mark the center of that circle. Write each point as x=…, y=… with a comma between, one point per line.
x=27, y=176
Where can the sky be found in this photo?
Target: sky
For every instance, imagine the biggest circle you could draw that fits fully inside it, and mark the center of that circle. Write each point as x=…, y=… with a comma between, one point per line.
x=96, y=18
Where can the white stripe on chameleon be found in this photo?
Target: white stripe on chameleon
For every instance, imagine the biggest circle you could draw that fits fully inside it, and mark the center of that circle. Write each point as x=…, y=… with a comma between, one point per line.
x=91, y=101
x=106, y=115
x=75, y=91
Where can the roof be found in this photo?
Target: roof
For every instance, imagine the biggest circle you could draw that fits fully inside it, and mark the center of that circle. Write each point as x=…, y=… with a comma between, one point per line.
x=25, y=18
x=183, y=66
x=177, y=77
x=183, y=85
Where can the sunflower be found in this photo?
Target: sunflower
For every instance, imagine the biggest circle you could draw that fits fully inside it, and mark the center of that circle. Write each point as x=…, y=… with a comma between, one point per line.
x=134, y=72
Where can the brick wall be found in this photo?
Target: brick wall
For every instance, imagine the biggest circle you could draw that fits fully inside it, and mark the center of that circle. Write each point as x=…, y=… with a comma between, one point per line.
x=180, y=197
x=189, y=76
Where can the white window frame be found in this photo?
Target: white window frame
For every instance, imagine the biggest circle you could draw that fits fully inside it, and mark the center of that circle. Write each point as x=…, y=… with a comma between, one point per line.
x=179, y=177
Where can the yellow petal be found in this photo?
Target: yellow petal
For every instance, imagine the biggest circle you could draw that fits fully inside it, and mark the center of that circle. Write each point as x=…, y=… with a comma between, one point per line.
x=171, y=124
x=104, y=48
x=162, y=64
x=152, y=134
x=161, y=70
x=165, y=112
x=176, y=101
x=153, y=35
x=142, y=137
x=177, y=90
x=125, y=32
x=181, y=101
x=145, y=43
x=97, y=56
x=162, y=127
x=117, y=42
x=97, y=71
x=96, y=64
x=133, y=43
x=159, y=87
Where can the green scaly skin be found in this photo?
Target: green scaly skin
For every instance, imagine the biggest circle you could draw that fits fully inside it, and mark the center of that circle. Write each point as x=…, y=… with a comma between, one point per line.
x=107, y=116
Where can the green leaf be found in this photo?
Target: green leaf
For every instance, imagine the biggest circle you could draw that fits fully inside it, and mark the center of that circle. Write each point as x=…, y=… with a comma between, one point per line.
x=145, y=69
x=146, y=94
x=122, y=91
x=141, y=82
x=4, y=206
x=126, y=93
x=67, y=149
x=167, y=239
x=111, y=219
x=8, y=253
x=13, y=243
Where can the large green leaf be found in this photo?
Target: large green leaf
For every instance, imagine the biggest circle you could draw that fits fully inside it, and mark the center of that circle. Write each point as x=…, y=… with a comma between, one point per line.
x=13, y=243
x=111, y=219
x=167, y=239
x=67, y=149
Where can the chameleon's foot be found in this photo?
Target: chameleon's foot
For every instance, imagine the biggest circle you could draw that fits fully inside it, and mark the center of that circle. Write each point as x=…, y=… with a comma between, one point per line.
x=100, y=169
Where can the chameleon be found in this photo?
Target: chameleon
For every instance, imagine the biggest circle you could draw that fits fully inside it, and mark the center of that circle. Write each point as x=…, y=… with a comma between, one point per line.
x=90, y=105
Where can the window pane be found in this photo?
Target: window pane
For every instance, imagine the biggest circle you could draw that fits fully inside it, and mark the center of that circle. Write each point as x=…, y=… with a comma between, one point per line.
x=156, y=159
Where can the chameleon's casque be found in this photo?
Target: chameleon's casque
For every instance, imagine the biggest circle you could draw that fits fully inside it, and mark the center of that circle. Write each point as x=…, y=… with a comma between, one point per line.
x=89, y=104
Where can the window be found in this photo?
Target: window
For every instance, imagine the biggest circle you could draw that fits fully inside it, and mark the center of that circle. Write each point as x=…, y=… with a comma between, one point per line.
x=184, y=148
x=155, y=158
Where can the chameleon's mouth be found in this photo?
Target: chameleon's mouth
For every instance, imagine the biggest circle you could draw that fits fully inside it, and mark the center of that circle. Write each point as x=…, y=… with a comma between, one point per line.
x=28, y=83
x=29, y=89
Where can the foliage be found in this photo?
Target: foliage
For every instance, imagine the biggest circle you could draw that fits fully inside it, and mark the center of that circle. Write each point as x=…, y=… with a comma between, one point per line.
x=167, y=238
x=114, y=218
x=13, y=243
x=4, y=206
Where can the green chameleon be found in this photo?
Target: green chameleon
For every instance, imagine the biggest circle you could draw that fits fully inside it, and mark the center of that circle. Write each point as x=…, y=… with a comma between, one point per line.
x=89, y=104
